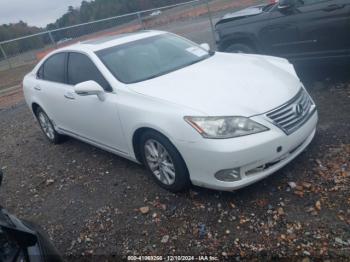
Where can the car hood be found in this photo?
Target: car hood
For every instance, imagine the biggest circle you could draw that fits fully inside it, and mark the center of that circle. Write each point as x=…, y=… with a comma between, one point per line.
x=253, y=10
x=227, y=84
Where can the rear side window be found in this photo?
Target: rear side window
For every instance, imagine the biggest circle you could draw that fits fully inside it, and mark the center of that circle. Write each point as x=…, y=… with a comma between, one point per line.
x=53, y=68
x=81, y=69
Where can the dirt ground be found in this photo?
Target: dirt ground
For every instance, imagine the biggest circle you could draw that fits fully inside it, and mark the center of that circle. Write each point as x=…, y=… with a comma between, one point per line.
x=90, y=201
x=11, y=98
x=14, y=76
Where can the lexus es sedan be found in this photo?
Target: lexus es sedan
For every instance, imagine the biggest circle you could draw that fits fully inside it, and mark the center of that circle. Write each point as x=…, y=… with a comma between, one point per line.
x=190, y=115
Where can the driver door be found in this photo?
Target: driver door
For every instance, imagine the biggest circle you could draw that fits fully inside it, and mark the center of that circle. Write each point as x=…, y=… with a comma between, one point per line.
x=90, y=118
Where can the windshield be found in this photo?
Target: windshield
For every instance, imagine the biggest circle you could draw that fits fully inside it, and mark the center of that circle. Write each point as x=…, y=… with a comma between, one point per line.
x=150, y=57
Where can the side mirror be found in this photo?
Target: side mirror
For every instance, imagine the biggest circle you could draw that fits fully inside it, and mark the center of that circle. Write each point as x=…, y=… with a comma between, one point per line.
x=285, y=4
x=1, y=176
x=90, y=88
x=205, y=46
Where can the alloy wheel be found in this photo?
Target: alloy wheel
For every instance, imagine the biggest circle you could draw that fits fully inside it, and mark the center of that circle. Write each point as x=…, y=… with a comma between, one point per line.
x=46, y=125
x=160, y=162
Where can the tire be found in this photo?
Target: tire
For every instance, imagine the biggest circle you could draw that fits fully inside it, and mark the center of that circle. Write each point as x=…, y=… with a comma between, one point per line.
x=47, y=127
x=168, y=169
x=240, y=48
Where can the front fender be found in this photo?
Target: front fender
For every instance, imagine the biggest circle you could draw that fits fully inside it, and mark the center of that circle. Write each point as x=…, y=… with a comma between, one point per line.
x=140, y=111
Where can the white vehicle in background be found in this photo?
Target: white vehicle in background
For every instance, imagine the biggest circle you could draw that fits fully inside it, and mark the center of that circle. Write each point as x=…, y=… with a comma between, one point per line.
x=156, y=13
x=192, y=116
x=64, y=40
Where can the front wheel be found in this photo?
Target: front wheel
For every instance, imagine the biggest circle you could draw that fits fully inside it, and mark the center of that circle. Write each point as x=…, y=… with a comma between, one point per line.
x=164, y=162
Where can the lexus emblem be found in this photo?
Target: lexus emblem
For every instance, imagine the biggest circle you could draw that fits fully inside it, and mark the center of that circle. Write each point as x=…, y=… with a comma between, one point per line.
x=298, y=109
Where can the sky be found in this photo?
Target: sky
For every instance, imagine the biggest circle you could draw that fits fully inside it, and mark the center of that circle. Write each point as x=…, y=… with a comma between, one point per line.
x=34, y=12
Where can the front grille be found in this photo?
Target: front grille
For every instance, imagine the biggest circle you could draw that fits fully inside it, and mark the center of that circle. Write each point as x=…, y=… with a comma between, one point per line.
x=293, y=114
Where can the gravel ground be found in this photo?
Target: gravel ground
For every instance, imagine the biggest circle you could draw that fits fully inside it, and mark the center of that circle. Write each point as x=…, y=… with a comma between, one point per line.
x=92, y=202
x=14, y=76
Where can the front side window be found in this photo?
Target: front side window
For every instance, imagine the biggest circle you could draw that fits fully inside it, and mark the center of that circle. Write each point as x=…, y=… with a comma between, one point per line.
x=81, y=69
x=53, y=69
x=150, y=57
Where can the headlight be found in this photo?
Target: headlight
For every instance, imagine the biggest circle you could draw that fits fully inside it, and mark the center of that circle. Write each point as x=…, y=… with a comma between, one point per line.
x=224, y=127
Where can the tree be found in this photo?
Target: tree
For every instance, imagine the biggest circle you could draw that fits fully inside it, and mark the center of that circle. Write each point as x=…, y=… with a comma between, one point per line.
x=88, y=11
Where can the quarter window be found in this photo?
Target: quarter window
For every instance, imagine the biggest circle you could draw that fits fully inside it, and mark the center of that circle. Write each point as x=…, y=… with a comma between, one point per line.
x=40, y=72
x=53, y=68
x=81, y=69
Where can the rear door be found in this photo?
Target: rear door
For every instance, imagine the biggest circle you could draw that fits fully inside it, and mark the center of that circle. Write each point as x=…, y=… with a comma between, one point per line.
x=324, y=28
x=312, y=29
x=51, y=87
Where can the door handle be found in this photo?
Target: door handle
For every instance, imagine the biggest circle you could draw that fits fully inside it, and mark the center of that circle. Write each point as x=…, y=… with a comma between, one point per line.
x=333, y=7
x=69, y=95
x=38, y=88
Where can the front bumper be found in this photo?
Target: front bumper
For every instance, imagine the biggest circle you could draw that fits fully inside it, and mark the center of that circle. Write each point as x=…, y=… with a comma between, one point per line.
x=256, y=155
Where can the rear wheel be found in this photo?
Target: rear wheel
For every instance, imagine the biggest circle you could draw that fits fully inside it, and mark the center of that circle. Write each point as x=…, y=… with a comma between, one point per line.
x=164, y=162
x=240, y=48
x=47, y=127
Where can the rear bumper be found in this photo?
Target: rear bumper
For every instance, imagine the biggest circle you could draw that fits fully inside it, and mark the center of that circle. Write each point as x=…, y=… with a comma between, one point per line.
x=257, y=156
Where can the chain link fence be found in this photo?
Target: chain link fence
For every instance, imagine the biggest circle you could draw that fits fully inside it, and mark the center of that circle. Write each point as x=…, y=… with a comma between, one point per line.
x=193, y=19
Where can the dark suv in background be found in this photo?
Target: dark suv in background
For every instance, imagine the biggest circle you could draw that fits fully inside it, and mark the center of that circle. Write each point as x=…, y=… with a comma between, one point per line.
x=299, y=30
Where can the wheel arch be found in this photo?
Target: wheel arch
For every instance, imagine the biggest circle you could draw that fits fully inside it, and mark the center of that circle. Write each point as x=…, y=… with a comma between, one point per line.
x=35, y=107
x=137, y=135
x=240, y=38
x=136, y=140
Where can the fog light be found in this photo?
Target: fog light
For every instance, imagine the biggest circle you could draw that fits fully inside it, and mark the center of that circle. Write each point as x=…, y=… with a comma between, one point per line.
x=228, y=175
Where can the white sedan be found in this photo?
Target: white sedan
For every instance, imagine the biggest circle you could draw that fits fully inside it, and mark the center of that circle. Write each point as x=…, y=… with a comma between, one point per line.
x=190, y=115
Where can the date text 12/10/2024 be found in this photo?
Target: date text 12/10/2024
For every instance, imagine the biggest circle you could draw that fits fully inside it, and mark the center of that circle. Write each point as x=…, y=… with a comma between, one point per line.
x=173, y=258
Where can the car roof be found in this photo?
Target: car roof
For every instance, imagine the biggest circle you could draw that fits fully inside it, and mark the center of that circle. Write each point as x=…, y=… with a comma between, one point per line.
x=111, y=40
